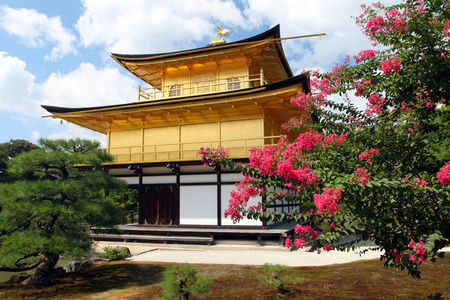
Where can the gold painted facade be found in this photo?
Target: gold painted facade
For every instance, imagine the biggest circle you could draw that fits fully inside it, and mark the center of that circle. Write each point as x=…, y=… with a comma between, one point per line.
x=221, y=95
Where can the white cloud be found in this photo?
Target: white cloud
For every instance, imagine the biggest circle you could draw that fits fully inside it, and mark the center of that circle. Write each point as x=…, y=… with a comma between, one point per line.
x=334, y=17
x=88, y=86
x=154, y=26
x=84, y=87
x=37, y=30
x=16, y=84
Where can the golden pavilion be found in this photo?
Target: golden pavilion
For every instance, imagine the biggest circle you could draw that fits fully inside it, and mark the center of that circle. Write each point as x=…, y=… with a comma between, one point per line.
x=231, y=94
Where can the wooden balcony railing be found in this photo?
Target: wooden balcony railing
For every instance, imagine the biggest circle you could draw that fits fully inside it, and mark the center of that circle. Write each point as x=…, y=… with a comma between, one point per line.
x=238, y=148
x=202, y=87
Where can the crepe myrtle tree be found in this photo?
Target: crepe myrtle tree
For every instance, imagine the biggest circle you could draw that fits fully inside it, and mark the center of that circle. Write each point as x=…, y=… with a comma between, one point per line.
x=382, y=174
x=47, y=215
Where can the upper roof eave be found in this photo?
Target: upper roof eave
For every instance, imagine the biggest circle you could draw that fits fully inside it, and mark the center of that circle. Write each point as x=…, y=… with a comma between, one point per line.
x=273, y=33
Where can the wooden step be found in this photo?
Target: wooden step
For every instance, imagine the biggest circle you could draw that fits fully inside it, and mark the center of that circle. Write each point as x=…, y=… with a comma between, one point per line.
x=153, y=238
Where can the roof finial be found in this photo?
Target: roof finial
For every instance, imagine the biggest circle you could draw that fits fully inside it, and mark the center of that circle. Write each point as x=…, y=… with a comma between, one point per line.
x=220, y=33
x=224, y=32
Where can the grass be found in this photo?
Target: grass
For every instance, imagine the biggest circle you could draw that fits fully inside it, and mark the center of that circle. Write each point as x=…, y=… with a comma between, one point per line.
x=133, y=280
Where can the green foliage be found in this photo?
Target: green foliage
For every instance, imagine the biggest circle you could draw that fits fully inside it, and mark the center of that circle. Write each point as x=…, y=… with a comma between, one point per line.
x=127, y=199
x=183, y=281
x=51, y=212
x=277, y=276
x=115, y=253
x=10, y=150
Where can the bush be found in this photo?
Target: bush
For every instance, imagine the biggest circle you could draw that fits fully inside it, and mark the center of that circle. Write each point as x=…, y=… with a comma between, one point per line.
x=115, y=253
x=277, y=276
x=182, y=281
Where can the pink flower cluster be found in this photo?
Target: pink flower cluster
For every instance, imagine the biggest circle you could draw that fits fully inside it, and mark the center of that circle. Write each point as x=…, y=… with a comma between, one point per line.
x=374, y=104
x=323, y=87
x=390, y=65
x=303, y=101
x=363, y=55
x=328, y=247
x=306, y=233
x=304, y=176
x=211, y=155
x=361, y=87
x=397, y=24
x=443, y=176
x=328, y=201
x=446, y=29
x=307, y=102
x=375, y=24
x=239, y=198
x=420, y=182
x=404, y=106
x=361, y=176
x=418, y=252
x=398, y=256
x=368, y=154
x=295, y=122
x=266, y=160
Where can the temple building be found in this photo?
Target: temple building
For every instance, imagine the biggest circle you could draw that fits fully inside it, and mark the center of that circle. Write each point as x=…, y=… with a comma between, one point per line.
x=234, y=94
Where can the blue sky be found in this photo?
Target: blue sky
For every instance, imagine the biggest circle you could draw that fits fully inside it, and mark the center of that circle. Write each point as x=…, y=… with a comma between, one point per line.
x=57, y=52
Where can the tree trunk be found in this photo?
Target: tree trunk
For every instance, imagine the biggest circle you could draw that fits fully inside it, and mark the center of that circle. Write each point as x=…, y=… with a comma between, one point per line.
x=44, y=271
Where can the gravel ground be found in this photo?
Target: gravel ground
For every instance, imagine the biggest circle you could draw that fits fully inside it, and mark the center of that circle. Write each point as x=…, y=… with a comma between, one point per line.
x=238, y=254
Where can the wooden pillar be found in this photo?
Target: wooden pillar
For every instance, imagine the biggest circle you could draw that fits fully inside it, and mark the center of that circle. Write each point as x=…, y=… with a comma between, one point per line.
x=219, y=197
x=141, y=202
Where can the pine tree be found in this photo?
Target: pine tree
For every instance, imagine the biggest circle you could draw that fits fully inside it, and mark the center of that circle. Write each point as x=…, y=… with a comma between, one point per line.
x=48, y=214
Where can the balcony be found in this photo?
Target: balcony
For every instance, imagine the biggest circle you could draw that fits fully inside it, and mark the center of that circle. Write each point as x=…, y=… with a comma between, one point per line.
x=202, y=87
x=238, y=148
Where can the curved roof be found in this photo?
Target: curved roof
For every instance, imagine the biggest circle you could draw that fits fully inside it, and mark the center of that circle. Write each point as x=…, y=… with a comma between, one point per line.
x=207, y=106
x=264, y=50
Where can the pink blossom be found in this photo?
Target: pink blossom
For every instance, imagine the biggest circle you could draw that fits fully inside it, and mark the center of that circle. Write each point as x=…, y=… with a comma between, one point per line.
x=303, y=101
x=429, y=105
x=332, y=225
x=363, y=55
x=368, y=154
x=328, y=247
x=288, y=243
x=420, y=182
x=391, y=13
x=240, y=197
x=401, y=25
x=443, y=176
x=299, y=243
x=295, y=122
x=389, y=65
x=419, y=253
x=446, y=29
x=328, y=201
x=361, y=87
x=375, y=24
x=210, y=156
x=374, y=104
x=360, y=175
x=334, y=139
x=398, y=256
